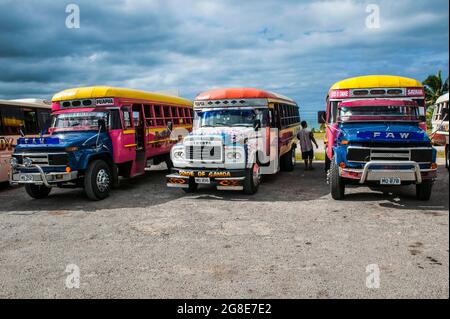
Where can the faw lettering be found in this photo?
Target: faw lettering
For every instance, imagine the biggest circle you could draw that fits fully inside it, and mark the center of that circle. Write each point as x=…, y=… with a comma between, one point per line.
x=404, y=135
x=391, y=135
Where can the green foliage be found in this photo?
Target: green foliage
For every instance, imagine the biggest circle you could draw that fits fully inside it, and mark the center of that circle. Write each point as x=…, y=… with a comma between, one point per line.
x=434, y=88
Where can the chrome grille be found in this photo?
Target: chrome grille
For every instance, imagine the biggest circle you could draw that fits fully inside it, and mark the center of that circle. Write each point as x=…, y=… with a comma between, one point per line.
x=204, y=153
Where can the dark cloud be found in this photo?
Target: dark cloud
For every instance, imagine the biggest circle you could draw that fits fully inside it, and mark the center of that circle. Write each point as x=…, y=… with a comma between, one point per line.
x=297, y=48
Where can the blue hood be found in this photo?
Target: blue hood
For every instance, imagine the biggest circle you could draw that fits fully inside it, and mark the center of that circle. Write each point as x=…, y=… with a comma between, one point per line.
x=383, y=132
x=58, y=141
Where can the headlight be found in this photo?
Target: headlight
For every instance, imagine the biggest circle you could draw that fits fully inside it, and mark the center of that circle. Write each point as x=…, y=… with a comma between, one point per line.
x=14, y=162
x=178, y=154
x=234, y=156
x=27, y=161
x=71, y=149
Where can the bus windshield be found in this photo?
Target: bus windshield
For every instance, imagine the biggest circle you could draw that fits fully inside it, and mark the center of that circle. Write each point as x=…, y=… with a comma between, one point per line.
x=80, y=121
x=374, y=113
x=230, y=117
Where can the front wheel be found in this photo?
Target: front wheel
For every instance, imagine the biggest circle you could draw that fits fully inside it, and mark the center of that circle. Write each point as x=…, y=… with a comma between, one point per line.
x=252, y=180
x=423, y=191
x=97, y=182
x=337, y=184
x=37, y=191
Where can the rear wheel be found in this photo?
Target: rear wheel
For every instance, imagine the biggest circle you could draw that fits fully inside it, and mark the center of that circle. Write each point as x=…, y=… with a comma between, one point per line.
x=252, y=180
x=288, y=161
x=337, y=184
x=37, y=191
x=423, y=191
x=98, y=180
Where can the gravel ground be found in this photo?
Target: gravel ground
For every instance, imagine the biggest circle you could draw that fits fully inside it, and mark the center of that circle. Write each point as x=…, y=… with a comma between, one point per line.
x=290, y=240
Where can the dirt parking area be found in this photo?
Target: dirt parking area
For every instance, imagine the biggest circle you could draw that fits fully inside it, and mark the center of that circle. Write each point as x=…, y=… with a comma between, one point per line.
x=290, y=240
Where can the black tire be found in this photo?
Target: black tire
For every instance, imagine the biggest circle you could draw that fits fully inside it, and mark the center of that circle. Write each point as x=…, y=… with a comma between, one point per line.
x=169, y=163
x=251, y=182
x=288, y=161
x=337, y=184
x=193, y=187
x=327, y=163
x=37, y=191
x=423, y=191
x=98, y=170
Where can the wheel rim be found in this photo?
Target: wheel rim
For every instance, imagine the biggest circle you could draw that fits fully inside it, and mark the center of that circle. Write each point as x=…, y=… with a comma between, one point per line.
x=102, y=180
x=256, y=174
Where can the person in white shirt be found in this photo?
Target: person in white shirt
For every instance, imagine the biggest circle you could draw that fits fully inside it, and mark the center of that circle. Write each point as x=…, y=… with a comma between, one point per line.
x=306, y=140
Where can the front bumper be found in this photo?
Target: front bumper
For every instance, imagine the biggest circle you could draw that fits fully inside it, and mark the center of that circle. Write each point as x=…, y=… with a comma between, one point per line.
x=49, y=179
x=374, y=171
x=221, y=179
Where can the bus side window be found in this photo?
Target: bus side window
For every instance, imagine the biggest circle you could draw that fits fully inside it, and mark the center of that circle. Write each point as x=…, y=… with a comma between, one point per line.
x=182, y=115
x=167, y=115
x=30, y=121
x=188, y=113
x=158, y=115
x=12, y=120
x=127, y=119
x=175, y=116
x=148, y=114
x=44, y=119
x=114, y=120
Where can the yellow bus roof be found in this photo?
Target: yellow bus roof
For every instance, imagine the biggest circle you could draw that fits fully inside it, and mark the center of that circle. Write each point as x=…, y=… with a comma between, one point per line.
x=376, y=81
x=106, y=91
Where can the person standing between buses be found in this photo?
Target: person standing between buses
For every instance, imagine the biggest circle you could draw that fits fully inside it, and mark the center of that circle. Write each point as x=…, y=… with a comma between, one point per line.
x=306, y=139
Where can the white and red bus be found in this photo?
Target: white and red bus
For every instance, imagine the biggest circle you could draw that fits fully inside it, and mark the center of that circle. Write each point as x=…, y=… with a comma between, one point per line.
x=17, y=117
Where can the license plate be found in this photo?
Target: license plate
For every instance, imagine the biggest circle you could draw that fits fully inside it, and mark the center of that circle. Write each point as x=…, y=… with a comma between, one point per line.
x=203, y=180
x=26, y=177
x=390, y=181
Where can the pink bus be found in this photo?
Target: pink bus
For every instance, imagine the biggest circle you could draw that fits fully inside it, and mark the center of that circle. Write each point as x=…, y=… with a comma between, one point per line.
x=98, y=134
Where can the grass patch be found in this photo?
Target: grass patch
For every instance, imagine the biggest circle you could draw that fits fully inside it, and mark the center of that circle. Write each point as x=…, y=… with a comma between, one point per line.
x=317, y=157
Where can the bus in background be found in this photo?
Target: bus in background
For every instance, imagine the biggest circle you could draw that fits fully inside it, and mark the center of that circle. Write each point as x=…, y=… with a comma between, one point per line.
x=17, y=117
x=239, y=134
x=369, y=87
x=439, y=123
x=98, y=134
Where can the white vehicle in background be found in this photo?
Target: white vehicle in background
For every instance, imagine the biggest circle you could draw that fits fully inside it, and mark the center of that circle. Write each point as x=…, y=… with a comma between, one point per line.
x=439, y=122
x=28, y=117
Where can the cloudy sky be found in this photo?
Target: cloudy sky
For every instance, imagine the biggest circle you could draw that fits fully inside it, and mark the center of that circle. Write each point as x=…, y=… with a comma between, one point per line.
x=296, y=48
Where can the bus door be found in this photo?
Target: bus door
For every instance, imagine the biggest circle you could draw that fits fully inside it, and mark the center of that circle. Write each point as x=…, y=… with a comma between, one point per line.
x=139, y=127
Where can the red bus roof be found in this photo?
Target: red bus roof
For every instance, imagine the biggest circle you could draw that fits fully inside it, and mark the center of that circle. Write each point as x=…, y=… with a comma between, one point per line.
x=239, y=93
x=378, y=102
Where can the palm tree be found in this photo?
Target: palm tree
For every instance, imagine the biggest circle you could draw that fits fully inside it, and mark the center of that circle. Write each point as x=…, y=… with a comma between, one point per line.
x=434, y=88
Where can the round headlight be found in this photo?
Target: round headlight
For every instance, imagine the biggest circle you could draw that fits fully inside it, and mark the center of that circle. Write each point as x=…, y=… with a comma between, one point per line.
x=14, y=162
x=27, y=161
x=178, y=154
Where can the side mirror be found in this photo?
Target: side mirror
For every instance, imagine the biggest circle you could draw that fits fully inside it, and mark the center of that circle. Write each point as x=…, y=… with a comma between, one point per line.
x=102, y=125
x=321, y=117
x=257, y=124
x=170, y=126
